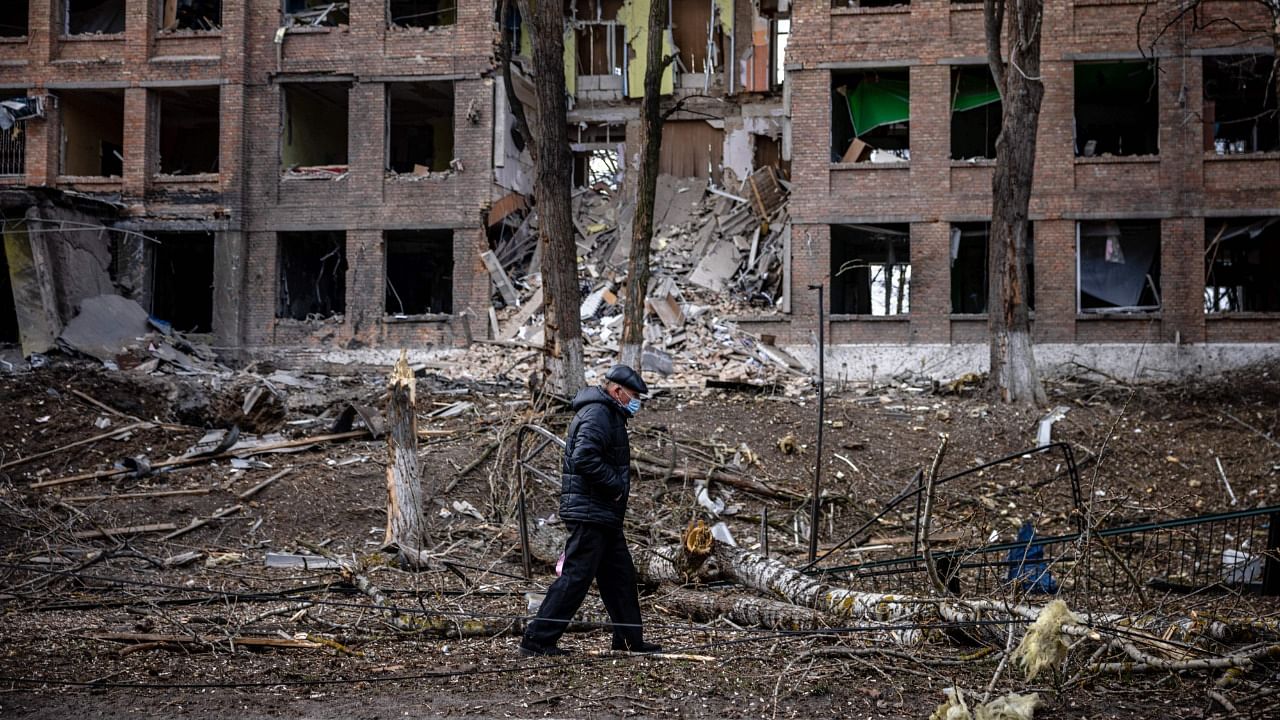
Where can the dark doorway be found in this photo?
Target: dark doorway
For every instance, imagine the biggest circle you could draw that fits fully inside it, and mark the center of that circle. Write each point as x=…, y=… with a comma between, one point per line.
x=419, y=272
x=8, y=311
x=313, y=274
x=182, y=280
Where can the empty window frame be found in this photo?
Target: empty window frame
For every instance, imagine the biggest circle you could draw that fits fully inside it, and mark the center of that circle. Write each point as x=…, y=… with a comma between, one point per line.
x=597, y=152
x=419, y=272
x=14, y=18
x=314, y=126
x=1118, y=266
x=781, y=29
x=870, y=269
x=975, y=112
x=870, y=116
x=313, y=274
x=969, y=268
x=1116, y=111
x=422, y=13
x=93, y=17
x=317, y=13
x=419, y=126
x=190, y=15
x=1241, y=263
x=1240, y=107
x=189, y=130
x=600, y=40
x=181, y=280
x=92, y=133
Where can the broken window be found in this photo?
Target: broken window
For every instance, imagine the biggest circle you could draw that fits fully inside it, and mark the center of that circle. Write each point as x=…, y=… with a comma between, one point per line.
x=1118, y=266
x=422, y=13
x=600, y=40
x=870, y=269
x=969, y=243
x=419, y=126
x=419, y=272
x=699, y=45
x=314, y=133
x=975, y=112
x=1240, y=107
x=781, y=36
x=92, y=133
x=14, y=18
x=1116, y=112
x=597, y=149
x=316, y=13
x=190, y=15
x=870, y=116
x=181, y=280
x=1241, y=262
x=189, y=130
x=313, y=274
x=92, y=17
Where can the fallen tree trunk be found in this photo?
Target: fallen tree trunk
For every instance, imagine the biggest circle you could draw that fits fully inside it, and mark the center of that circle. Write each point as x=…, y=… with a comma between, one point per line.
x=741, y=610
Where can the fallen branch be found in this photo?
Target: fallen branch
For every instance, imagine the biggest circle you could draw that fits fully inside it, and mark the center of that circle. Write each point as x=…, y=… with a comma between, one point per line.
x=78, y=443
x=197, y=524
x=151, y=641
x=135, y=495
x=131, y=530
x=263, y=485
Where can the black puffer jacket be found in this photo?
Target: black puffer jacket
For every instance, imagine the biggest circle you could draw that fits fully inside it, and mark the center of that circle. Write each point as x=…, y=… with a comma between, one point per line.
x=596, y=475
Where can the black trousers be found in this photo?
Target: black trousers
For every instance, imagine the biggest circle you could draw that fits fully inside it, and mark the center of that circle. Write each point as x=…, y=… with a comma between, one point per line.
x=594, y=552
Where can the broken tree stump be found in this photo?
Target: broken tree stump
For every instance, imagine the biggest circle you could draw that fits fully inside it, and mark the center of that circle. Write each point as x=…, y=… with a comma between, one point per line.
x=404, y=479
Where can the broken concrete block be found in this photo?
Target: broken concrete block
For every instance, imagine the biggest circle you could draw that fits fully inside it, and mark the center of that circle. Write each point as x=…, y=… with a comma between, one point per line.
x=716, y=267
x=656, y=361
x=106, y=326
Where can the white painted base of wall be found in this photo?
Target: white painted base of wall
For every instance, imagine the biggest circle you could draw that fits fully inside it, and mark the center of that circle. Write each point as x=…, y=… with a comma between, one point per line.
x=1132, y=362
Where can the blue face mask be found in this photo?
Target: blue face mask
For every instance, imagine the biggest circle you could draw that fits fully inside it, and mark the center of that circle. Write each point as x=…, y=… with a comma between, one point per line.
x=633, y=406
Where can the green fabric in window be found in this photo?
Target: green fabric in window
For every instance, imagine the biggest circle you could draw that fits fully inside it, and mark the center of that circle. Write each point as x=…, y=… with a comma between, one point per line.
x=873, y=104
x=974, y=92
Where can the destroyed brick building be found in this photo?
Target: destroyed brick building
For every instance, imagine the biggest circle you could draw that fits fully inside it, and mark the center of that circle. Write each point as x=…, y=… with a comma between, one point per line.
x=307, y=178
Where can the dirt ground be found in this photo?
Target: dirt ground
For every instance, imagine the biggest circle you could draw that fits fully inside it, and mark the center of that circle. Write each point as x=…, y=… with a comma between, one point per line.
x=1145, y=454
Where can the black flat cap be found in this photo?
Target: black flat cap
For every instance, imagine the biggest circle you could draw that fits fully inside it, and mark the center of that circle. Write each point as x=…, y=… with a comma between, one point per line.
x=627, y=378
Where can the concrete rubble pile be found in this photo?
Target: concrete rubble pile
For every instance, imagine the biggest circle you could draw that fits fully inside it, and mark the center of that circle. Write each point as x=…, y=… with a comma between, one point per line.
x=715, y=255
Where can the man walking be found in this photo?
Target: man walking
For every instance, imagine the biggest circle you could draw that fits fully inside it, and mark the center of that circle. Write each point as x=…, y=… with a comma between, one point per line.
x=595, y=483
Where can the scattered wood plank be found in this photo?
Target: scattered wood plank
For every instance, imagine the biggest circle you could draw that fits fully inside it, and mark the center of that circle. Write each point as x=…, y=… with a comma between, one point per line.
x=500, y=279
x=135, y=495
x=78, y=443
x=130, y=530
x=197, y=524
x=188, y=641
x=531, y=307
x=263, y=485
x=305, y=562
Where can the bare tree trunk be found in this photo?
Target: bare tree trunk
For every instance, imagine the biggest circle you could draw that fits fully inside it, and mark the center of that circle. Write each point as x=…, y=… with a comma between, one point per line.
x=553, y=177
x=646, y=188
x=1013, y=365
x=404, y=480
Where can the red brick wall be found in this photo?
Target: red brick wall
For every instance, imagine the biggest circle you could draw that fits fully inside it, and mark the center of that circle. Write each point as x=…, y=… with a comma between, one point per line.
x=1179, y=186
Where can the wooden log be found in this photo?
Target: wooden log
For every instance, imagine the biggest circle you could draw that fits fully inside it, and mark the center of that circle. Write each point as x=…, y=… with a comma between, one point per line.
x=131, y=530
x=741, y=609
x=404, y=479
x=187, y=641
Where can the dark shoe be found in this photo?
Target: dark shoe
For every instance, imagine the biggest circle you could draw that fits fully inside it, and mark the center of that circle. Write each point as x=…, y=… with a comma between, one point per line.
x=640, y=647
x=529, y=649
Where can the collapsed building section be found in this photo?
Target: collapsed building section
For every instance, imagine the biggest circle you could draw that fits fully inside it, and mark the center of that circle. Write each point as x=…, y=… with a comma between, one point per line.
x=314, y=128
x=422, y=13
x=1240, y=105
x=93, y=17
x=419, y=126
x=600, y=42
x=317, y=13
x=975, y=113
x=419, y=265
x=14, y=18
x=1118, y=266
x=871, y=116
x=180, y=279
x=92, y=133
x=1116, y=111
x=969, y=268
x=313, y=274
x=1241, y=264
x=189, y=131
x=191, y=15
x=871, y=269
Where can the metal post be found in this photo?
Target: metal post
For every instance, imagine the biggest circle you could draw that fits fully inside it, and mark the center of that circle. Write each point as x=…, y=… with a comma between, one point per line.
x=524, y=520
x=822, y=405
